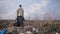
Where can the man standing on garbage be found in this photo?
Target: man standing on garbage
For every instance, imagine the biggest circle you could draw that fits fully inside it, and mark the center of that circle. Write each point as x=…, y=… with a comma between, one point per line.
x=20, y=16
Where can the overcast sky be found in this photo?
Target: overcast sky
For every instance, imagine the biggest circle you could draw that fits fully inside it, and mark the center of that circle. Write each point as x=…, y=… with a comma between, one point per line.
x=32, y=8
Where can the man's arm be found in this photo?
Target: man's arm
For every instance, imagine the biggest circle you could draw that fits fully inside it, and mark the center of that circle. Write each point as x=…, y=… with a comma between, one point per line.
x=17, y=12
x=23, y=12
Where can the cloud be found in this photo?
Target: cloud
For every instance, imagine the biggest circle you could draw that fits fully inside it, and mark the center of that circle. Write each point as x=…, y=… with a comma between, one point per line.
x=31, y=8
x=9, y=8
x=35, y=8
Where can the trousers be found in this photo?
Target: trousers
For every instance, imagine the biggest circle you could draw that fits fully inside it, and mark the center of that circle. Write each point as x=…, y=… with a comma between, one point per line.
x=20, y=20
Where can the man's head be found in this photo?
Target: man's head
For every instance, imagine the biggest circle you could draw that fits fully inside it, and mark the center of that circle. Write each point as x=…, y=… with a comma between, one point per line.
x=20, y=5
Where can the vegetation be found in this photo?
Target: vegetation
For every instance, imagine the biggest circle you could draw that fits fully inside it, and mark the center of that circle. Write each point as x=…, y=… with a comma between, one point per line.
x=4, y=25
x=49, y=28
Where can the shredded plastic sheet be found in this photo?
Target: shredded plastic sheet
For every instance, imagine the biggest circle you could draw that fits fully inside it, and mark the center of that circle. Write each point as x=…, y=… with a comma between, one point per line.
x=3, y=31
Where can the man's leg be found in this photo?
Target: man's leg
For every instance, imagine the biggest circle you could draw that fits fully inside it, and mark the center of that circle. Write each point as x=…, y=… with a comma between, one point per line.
x=18, y=21
x=21, y=20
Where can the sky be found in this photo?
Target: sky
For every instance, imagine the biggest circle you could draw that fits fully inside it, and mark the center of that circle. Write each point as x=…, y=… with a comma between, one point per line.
x=40, y=9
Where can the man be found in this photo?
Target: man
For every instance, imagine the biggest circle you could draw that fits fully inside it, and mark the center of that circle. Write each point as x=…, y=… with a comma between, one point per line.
x=20, y=16
x=20, y=11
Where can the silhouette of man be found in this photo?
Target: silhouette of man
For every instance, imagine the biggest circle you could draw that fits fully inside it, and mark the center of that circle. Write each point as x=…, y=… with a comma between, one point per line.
x=20, y=11
x=20, y=16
